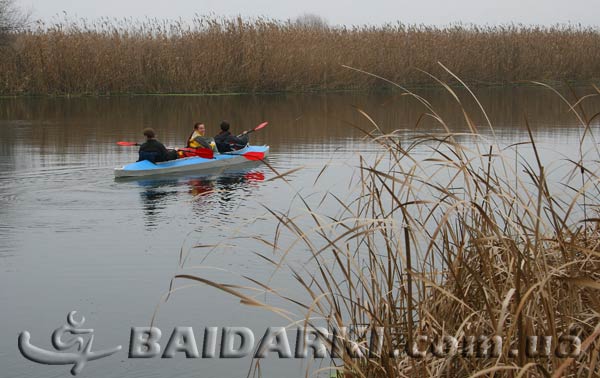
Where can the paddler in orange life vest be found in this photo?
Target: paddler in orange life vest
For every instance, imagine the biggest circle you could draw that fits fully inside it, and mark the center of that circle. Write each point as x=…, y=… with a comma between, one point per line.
x=198, y=141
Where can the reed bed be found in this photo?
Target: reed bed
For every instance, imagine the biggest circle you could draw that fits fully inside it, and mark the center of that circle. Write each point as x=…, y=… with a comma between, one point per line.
x=451, y=235
x=219, y=55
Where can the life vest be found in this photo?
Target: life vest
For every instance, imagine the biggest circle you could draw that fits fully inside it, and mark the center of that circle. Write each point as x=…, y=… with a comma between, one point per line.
x=200, y=141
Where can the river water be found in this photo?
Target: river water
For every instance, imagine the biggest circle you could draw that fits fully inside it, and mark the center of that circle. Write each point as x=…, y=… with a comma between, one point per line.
x=74, y=238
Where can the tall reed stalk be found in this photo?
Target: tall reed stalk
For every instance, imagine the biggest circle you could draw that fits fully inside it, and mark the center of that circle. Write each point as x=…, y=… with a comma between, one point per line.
x=454, y=235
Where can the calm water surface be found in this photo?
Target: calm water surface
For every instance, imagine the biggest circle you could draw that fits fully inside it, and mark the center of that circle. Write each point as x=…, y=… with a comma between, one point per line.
x=73, y=238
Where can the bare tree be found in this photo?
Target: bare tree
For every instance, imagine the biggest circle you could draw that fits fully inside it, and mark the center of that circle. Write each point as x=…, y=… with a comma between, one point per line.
x=311, y=20
x=11, y=19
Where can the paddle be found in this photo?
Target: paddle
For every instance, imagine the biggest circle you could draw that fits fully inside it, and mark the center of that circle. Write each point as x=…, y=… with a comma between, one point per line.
x=254, y=155
x=128, y=144
x=254, y=129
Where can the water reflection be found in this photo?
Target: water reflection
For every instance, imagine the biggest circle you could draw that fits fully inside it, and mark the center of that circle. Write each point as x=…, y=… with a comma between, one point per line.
x=93, y=125
x=208, y=193
x=224, y=184
x=154, y=199
x=59, y=200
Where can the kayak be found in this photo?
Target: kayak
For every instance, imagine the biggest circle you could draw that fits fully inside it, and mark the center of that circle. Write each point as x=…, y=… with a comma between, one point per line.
x=193, y=164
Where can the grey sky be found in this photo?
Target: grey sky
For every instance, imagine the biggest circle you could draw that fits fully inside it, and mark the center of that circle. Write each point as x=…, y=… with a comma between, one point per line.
x=434, y=12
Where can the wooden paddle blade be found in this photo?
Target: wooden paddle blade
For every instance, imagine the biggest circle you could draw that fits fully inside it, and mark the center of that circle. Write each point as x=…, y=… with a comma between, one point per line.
x=254, y=155
x=127, y=144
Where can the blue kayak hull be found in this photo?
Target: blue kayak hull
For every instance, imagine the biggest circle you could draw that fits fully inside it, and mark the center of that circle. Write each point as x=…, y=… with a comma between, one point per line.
x=193, y=164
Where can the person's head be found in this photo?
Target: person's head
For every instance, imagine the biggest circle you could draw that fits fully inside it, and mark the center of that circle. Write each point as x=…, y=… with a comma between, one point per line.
x=200, y=128
x=149, y=133
x=224, y=126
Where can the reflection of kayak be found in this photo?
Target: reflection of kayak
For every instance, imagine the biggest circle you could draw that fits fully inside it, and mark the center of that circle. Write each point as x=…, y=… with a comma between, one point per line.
x=195, y=164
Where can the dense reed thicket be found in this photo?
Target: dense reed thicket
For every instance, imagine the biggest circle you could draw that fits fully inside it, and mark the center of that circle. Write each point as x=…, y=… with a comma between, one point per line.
x=213, y=55
x=454, y=237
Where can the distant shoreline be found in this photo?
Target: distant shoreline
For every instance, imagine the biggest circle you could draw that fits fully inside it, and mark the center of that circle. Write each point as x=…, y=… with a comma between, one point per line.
x=554, y=84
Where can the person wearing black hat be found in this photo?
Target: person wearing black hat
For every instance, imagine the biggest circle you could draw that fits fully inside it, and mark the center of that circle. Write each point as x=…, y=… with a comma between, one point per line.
x=228, y=142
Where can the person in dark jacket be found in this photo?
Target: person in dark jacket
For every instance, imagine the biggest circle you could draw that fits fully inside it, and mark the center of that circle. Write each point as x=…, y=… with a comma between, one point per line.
x=228, y=142
x=154, y=151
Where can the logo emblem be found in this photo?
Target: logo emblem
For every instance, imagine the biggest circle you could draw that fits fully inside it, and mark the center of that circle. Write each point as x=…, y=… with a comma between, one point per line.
x=79, y=342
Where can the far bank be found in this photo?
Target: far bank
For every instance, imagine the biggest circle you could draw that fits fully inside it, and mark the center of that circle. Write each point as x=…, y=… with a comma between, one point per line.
x=223, y=56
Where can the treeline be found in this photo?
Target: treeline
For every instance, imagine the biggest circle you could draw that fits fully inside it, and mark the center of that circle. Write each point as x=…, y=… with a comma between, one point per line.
x=215, y=55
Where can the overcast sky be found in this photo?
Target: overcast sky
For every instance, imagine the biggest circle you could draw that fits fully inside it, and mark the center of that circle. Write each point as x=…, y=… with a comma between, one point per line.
x=433, y=12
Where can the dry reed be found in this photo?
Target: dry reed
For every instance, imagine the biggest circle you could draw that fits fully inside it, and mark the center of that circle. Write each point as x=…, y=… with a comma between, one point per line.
x=217, y=55
x=448, y=238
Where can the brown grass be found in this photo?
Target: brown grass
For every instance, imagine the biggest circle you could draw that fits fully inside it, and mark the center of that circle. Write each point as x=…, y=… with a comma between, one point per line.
x=215, y=55
x=454, y=235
